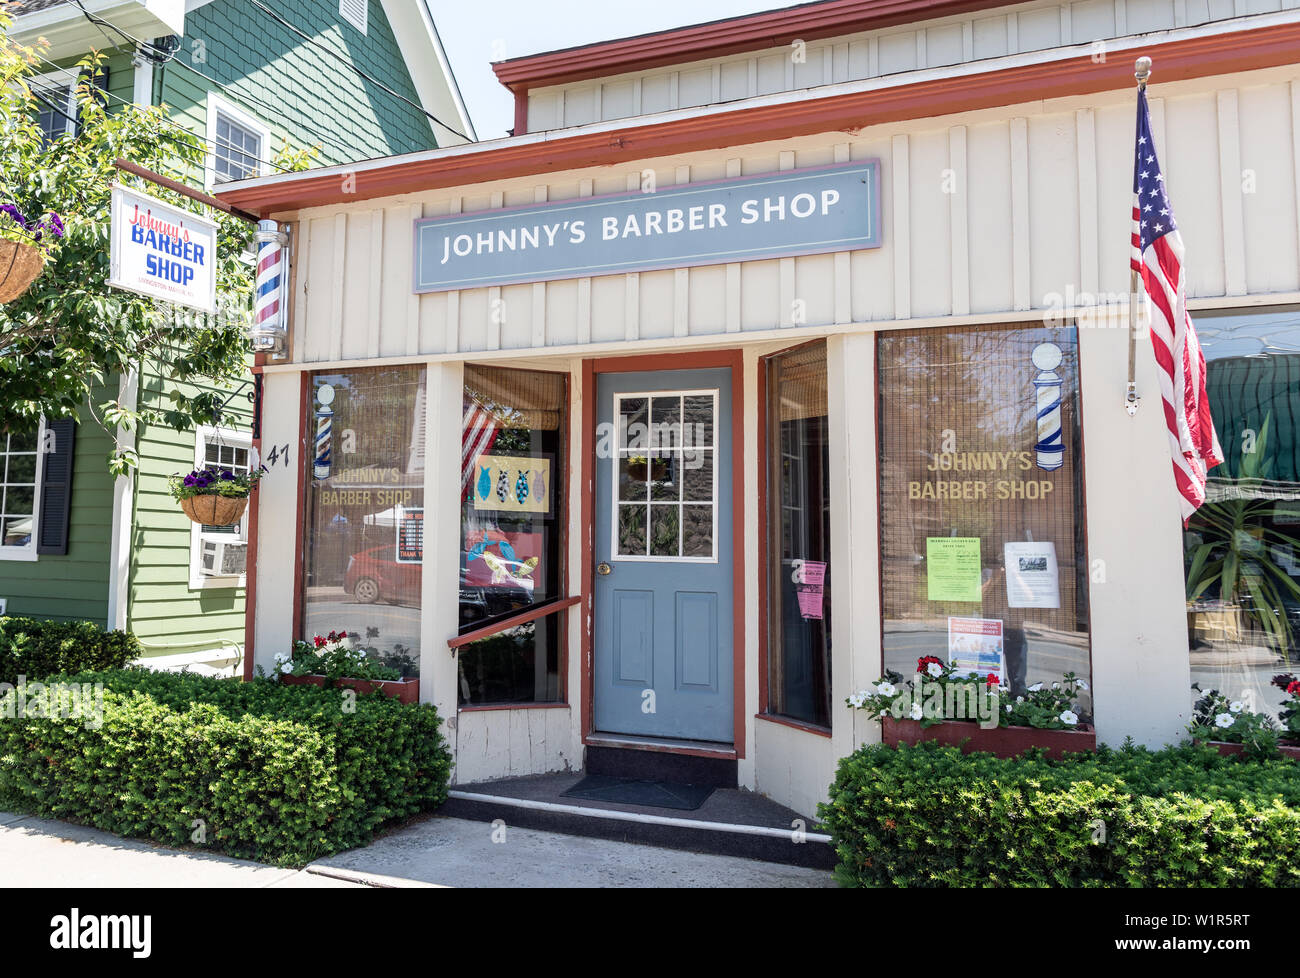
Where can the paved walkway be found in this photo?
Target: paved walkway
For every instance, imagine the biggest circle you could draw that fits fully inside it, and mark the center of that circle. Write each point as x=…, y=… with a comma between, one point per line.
x=432, y=852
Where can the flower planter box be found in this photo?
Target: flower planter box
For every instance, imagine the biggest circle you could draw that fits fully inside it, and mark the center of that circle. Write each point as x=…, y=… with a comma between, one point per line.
x=1227, y=749
x=403, y=690
x=1000, y=741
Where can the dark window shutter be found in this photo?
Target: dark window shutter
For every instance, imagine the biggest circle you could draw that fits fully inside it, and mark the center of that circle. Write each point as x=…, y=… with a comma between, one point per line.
x=56, y=489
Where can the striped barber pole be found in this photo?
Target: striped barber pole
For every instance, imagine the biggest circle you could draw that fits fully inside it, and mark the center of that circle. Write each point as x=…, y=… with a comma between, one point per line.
x=266, y=293
x=1158, y=257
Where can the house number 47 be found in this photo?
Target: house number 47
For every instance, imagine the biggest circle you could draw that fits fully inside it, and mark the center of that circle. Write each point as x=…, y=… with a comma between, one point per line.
x=278, y=454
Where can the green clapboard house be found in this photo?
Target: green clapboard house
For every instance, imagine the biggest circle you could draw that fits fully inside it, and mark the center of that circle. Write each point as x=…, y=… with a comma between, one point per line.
x=359, y=79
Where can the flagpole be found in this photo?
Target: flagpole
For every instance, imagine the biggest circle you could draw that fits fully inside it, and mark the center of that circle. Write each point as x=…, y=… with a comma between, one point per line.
x=1141, y=71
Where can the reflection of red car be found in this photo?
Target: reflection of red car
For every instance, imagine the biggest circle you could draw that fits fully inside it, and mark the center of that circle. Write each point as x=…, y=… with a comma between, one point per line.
x=375, y=575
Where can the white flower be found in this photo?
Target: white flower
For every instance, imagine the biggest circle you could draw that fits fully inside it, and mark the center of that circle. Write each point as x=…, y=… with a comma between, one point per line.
x=1056, y=685
x=1020, y=699
x=857, y=699
x=1036, y=688
x=1224, y=720
x=917, y=712
x=886, y=689
x=934, y=669
x=1069, y=719
x=286, y=667
x=1007, y=708
x=1081, y=684
x=1235, y=706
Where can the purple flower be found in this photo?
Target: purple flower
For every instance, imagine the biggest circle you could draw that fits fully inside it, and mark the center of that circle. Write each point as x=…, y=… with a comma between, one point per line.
x=190, y=480
x=54, y=225
x=227, y=475
x=15, y=215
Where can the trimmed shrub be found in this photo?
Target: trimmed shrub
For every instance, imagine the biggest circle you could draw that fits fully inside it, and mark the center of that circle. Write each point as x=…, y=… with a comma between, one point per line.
x=932, y=816
x=257, y=770
x=36, y=648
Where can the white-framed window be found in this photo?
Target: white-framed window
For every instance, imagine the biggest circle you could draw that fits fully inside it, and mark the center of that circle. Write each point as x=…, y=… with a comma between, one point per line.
x=355, y=12
x=237, y=142
x=21, y=468
x=665, y=505
x=56, y=101
x=218, y=554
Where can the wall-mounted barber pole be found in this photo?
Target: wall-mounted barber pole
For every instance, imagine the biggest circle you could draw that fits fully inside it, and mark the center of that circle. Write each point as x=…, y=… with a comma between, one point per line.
x=270, y=323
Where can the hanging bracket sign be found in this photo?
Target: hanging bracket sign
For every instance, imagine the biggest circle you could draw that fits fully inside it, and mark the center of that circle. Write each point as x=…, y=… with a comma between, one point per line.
x=162, y=251
x=776, y=215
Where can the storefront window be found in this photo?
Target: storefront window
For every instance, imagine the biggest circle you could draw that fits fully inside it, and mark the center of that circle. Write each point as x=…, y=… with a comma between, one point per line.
x=1242, y=547
x=512, y=487
x=365, y=511
x=798, y=519
x=983, y=554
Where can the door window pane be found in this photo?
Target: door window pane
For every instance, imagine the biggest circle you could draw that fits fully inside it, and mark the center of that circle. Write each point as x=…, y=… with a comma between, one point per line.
x=798, y=499
x=365, y=509
x=1242, y=547
x=981, y=496
x=665, y=451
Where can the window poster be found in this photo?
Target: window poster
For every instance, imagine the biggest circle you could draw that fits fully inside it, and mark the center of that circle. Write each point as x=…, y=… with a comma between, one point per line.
x=1032, y=578
x=975, y=646
x=953, y=571
x=512, y=484
x=810, y=585
x=410, y=535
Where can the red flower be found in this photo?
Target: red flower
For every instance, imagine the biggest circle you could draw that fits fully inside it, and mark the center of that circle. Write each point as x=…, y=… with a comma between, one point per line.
x=1294, y=688
x=320, y=642
x=333, y=636
x=925, y=661
x=992, y=680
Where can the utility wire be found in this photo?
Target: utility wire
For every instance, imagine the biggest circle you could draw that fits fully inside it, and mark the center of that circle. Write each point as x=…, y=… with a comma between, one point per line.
x=370, y=78
x=212, y=140
x=296, y=122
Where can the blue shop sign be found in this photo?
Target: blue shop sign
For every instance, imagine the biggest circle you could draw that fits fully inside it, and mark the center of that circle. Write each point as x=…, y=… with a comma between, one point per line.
x=794, y=212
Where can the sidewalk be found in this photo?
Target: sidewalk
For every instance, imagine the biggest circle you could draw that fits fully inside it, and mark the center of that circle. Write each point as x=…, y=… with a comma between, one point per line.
x=433, y=852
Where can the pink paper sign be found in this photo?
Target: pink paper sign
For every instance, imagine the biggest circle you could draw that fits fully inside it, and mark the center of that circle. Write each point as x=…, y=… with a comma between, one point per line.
x=810, y=579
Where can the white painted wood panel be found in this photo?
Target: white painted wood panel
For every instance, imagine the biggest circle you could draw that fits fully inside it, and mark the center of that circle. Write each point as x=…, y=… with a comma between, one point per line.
x=1041, y=209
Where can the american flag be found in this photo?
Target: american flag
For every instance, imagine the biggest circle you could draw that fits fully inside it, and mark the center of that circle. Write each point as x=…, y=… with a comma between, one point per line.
x=478, y=433
x=1180, y=364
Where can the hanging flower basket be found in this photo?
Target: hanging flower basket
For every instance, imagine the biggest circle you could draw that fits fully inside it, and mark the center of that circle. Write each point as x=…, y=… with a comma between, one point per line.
x=214, y=497
x=20, y=266
x=215, y=510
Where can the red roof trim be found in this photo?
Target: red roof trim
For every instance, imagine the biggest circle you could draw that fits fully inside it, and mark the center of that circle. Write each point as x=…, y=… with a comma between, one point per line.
x=1214, y=54
x=753, y=32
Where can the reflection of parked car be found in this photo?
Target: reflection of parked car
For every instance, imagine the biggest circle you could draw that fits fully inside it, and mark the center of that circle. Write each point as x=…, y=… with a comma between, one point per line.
x=375, y=575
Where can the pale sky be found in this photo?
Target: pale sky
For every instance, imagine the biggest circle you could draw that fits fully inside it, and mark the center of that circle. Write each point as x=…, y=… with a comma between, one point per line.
x=478, y=32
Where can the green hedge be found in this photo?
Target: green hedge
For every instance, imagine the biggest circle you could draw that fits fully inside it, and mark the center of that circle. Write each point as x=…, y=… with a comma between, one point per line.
x=931, y=816
x=36, y=648
x=258, y=770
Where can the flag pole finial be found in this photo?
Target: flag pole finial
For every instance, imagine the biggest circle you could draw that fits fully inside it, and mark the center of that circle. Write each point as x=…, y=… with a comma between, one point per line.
x=1142, y=70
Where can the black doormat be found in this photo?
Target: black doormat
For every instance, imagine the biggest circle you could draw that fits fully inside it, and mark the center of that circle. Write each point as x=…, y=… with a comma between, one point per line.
x=651, y=794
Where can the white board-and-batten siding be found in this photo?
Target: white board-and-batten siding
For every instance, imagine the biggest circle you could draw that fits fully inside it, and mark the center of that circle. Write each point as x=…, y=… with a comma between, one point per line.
x=985, y=213
x=937, y=43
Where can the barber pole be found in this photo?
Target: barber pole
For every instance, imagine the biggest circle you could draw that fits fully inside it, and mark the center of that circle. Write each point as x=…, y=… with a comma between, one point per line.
x=1050, y=449
x=268, y=309
x=324, y=432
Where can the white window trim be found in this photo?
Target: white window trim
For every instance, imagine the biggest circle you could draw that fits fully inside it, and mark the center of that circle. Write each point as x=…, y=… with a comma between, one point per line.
x=63, y=77
x=28, y=553
x=364, y=26
x=198, y=580
x=237, y=115
x=615, y=556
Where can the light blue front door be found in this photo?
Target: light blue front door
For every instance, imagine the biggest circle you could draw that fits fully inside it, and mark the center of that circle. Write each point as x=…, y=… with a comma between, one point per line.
x=664, y=555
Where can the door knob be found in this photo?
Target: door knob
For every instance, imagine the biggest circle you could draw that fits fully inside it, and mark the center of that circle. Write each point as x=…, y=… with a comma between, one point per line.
x=603, y=569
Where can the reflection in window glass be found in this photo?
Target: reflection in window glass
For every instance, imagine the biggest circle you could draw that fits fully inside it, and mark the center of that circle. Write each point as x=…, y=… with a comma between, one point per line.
x=1242, y=547
x=512, y=484
x=798, y=499
x=18, y=468
x=365, y=511
x=983, y=553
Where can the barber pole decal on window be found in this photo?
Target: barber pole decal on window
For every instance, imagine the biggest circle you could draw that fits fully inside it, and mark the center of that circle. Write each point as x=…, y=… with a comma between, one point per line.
x=1051, y=447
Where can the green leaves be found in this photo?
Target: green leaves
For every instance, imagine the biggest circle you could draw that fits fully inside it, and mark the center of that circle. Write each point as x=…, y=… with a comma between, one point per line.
x=932, y=816
x=279, y=774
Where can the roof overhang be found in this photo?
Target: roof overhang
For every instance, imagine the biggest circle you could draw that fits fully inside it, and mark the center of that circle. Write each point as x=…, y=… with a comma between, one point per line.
x=1260, y=41
x=71, y=34
x=751, y=32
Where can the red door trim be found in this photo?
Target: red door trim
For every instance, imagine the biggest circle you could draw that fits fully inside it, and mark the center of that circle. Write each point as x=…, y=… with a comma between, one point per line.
x=735, y=360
